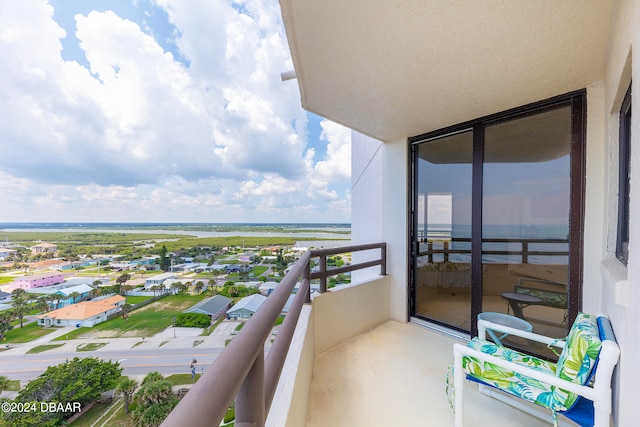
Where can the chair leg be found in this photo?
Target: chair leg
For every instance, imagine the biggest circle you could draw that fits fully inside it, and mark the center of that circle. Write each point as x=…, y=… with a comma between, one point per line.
x=602, y=414
x=458, y=382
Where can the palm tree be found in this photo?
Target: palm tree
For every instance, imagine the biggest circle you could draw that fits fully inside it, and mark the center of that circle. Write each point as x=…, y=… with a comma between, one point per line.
x=126, y=387
x=175, y=287
x=18, y=293
x=5, y=322
x=155, y=288
x=74, y=296
x=199, y=286
x=4, y=383
x=42, y=303
x=57, y=298
x=20, y=307
x=122, y=280
x=152, y=377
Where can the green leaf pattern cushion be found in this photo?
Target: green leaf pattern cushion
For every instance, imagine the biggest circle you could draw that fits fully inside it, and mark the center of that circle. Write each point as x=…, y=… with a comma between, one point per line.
x=579, y=355
x=519, y=385
x=575, y=364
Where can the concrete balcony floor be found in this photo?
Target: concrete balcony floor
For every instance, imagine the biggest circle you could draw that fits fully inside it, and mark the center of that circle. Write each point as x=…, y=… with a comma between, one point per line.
x=395, y=375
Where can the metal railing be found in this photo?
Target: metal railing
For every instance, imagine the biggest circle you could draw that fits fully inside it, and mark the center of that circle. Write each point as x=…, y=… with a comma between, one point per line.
x=241, y=372
x=524, y=253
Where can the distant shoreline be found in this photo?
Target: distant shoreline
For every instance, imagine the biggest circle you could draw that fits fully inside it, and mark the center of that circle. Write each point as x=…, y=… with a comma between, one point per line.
x=71, y=224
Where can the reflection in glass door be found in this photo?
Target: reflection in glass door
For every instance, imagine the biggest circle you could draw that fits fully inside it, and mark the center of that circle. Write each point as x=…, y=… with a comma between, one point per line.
x=497, y=207
x=443, y=225
x=525, y=219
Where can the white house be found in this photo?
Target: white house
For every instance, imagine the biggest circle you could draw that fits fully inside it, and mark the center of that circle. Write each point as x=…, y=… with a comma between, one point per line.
x=159, y=279
x=87, y=313
x=246, y=307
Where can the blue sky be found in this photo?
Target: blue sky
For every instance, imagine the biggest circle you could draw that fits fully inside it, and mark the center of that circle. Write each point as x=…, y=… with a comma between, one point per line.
x=160, y=110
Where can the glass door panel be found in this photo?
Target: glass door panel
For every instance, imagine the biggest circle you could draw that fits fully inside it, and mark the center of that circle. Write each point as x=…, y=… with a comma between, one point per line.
x=525, y=220
x=443, y=229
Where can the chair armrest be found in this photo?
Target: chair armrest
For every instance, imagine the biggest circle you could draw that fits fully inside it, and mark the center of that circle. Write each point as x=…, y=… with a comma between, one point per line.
x=460, y=350
x=483, y=325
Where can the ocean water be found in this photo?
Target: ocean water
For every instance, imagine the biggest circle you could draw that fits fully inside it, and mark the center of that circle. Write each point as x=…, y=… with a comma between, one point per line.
x=299, y=230
x=439, y=233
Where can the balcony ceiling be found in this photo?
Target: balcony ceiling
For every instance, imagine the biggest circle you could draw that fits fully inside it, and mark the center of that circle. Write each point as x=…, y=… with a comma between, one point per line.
x=392, y=69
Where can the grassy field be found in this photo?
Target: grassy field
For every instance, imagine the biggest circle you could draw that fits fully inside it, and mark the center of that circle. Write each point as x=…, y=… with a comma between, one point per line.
x=143, y=322
x=181, y=379
x=91, y=346
x=6, y=279
x=136, y=299
x=27, y=333
x=259, y=269
x=42, y=348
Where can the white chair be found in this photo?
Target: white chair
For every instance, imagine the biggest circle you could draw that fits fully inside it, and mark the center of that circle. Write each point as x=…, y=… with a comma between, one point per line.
x=578, y=386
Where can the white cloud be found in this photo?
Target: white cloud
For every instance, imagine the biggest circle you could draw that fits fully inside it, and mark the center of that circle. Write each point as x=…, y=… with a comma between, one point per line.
x=337, y=165
x=211, y=135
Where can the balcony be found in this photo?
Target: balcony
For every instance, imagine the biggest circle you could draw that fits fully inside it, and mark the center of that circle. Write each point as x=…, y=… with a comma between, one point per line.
x=347, y=363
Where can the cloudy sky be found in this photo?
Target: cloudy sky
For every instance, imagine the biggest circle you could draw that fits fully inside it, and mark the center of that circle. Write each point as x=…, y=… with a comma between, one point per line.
x=160, y=111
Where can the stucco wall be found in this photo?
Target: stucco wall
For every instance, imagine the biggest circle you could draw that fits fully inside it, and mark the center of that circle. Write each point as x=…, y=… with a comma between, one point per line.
x=366, y=199
x=379, y=203
x=620, y=294
x=347, y=311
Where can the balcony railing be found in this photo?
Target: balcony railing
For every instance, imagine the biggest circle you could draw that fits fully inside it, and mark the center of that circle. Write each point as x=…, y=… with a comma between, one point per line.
x=241, y=372
x=552, y=248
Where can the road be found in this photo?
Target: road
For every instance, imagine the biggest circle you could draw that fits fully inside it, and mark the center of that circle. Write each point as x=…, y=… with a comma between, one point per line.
x=136, y=363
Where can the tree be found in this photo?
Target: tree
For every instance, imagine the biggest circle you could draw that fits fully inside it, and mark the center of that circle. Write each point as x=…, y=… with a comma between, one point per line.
x=164, y=261
x=152, y=377
x=74, y=296
x=154, y=400
x=96, y=291
x=176, y=287
x=126, y=387
x=199, y=286
x=42, y=303
x=155, y=288
x=121, y=280
x=18, y=293
x=57, y=298
x=4, y=383
x=80, y=380
x=5, y=323
x=20, y=307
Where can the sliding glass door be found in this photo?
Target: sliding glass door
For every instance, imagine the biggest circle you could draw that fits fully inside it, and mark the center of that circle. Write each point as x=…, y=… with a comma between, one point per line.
x=443, y=262
x=496, y=218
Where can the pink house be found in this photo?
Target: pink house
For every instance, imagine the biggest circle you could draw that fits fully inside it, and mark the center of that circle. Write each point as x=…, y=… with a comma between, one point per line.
x=36, y=281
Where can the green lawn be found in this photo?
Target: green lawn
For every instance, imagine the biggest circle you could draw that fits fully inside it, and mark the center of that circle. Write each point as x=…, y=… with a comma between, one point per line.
x=6, y=279
x=181, y=379
x=41, y=348
x=27, y=333
x=143, y=322
x=91, y=346
x=136, y=299
x=259, y=269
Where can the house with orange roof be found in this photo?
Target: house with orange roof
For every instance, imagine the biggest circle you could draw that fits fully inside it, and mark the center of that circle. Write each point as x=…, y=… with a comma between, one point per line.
x=44, y=248
x=86, y=313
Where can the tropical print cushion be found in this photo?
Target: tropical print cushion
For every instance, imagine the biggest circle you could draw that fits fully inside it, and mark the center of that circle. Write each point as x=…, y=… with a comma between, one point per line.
x=511, y=382
x=575, y=364
x=579, y=355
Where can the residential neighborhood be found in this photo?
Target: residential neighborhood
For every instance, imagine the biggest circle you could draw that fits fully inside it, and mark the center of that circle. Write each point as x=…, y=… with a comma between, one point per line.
x=110, y=306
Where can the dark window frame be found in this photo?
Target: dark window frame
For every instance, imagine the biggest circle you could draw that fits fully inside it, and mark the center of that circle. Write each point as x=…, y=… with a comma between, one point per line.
x=624, y=173
x=577, y=101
